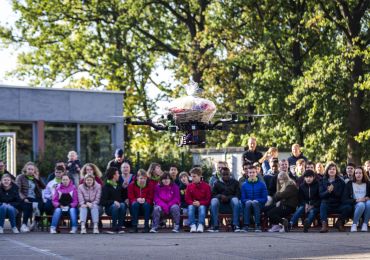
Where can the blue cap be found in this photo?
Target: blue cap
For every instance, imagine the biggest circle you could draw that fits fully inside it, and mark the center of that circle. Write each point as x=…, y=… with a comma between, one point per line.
x=119, y=153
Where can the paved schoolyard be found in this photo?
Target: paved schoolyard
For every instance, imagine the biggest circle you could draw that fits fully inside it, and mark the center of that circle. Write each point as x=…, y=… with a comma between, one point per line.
x=294, y=245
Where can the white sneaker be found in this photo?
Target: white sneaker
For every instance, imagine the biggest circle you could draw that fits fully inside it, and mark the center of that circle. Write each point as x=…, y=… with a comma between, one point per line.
x=281, y=229
x=73, y=230
x=96, y=229
x=200, y=228
x=354, y=228
x=15, y=230
x=1, y=230
x=24, y=228
x=83, y=230
x=193, y=228
x=153, y=230
x=53, y=230
x=364, y=227
x=274, y=228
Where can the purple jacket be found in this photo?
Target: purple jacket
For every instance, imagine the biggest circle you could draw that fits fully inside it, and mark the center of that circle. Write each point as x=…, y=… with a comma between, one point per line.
x=167, y=196
x=71, y=189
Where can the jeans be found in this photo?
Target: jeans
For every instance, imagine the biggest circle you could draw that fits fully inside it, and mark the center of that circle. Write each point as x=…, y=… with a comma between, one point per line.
x=144, y=209
x=310, y=215
x=360, y=208
x=344, y=210
x=94, y=211
x=117, y=214
x=248, y=205
x=202, y=210
x=217, y=206
x=28, y=209
x=58, y=213
x=10, y=211
x=174, y=212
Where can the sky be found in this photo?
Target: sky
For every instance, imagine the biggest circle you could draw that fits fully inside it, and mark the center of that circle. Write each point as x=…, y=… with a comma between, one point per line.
x=8, y=58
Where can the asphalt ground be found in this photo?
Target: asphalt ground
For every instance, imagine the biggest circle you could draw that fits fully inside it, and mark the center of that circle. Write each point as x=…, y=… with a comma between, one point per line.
x=184, y=245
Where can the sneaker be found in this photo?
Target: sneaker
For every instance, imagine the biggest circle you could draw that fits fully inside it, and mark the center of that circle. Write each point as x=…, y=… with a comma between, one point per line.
x=15, y=230
x=1, y=230
x=109, y=232
x=53, y=230
x=364, y=227
x=153, y=230
x=119, y=232
x=200, y=228
x=73, y=230
x=176, y=229
x=213, y=230
x=354, y=228
x=245, y=229
x=258, y=229
x=24, y=228
x=193, y=228
x=285, y=225
x=236, y=229
x=34, y=225
x=274, y=228
x=83, y=230
x=96, y=230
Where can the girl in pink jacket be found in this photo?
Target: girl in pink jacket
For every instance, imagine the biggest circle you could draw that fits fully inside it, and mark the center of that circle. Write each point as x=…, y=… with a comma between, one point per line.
x=166, y=202
x=65, y=201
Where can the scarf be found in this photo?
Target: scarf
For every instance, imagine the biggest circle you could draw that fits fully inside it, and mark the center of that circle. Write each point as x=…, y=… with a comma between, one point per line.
x=140, y=186
x=30, y=177
x=156, y=177
x=112, y=183
x=58, y=180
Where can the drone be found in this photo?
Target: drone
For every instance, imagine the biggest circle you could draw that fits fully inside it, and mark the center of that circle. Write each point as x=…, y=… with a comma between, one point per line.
x=194, y=132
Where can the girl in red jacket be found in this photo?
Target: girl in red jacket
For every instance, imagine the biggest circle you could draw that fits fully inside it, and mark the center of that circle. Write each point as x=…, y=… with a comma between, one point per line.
x=198, y=197
x=140, y=195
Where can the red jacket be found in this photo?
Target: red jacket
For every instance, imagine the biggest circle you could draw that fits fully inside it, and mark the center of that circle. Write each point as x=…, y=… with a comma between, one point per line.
x=134, y=192
x=200, y=192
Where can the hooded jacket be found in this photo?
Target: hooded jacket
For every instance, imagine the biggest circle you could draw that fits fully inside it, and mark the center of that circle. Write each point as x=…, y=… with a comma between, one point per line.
x=335, y=197
x=310, y=194
x=64, y=193
x=89, y=194
x=198, y=191
x=110, y=194
x=22, y=183
x=167, y=196
x=10, y=196
x=135, y=192
x=229, y=189
x=254, y=191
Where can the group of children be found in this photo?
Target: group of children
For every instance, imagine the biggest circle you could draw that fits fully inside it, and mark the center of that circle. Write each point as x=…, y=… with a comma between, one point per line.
x=283, y=193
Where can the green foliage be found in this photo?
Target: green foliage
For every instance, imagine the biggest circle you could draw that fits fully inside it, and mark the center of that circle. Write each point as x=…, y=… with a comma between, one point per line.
x=306, y=62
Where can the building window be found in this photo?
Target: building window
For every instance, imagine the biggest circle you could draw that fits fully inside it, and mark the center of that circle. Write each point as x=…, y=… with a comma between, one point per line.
x=96, y=144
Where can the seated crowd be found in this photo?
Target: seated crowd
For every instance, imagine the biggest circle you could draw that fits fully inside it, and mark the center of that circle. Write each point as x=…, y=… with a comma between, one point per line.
x=283, y=191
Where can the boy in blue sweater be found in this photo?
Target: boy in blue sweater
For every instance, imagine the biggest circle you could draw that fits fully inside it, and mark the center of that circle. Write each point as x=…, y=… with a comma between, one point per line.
x=253, y=195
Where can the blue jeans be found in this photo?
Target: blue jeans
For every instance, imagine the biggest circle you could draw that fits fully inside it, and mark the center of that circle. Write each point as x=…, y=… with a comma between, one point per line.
x=117, y=214
x=144, y=209
x=58, y=213
x=248, y=205
x=10, y=211
x=344, y=210
x=310, y=216
x=360, y=208
x=217, y=206
x=201, y=214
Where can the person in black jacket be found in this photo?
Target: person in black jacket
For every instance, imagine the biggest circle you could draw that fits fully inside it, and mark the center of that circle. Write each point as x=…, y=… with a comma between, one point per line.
x=9, y=202
x=331, y=189
x=308, y=200
x=357, y=195
x=113, y=200
x=225, y=198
